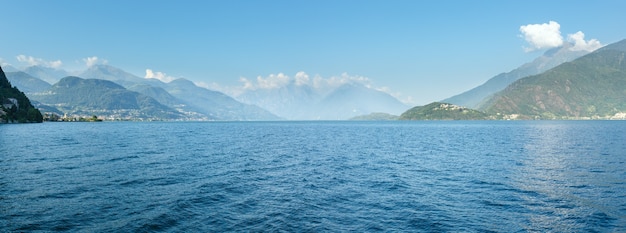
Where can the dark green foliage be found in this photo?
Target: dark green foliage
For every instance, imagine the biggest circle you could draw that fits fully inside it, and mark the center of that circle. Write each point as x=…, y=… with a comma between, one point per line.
x=593, y=86
x=442, y=111
x=24, y=112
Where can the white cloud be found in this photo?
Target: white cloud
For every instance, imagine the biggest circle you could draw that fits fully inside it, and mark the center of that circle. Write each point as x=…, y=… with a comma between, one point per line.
x=542, y=36
x=301, y=78
x=33, y=61
x=320, y=84
x=90, y=61
x=272, y=81
x=159, y=75
x=578, y=39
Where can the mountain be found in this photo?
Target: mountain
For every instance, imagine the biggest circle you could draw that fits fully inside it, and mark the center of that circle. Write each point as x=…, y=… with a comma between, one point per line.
x=352, y=99
x=291, y=101
x=78, y=96
x=442, y=111
x=216, y=105
x=183, y=95
x=9, y=68
x=14, y=105
x=157, y=93
x=592, y=86
x=550, y=59
x=119, y=76
x=26, y=82
x=164, y=97
x=50, y=75
x=303, y=102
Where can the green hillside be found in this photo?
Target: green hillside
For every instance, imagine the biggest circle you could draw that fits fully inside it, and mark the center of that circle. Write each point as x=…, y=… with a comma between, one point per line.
x=14, y=105
x=87, y=97
x=593, y=86
x=442, y=111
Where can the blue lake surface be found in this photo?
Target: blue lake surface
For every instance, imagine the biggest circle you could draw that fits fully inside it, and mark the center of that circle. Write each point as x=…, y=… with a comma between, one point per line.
x=463, y=176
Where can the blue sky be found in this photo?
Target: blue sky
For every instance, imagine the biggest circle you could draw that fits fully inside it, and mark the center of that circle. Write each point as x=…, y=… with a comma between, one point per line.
x=422, y=50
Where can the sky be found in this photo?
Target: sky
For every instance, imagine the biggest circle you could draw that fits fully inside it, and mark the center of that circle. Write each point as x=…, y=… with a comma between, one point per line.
x=419, y=51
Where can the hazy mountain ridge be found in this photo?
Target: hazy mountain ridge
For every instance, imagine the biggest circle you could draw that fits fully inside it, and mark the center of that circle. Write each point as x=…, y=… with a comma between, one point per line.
x=550, y=59
x=26, y=82
x=290, y=101
x=215, y=104
x=304, y=102
x=47, y=74
x=592, y=86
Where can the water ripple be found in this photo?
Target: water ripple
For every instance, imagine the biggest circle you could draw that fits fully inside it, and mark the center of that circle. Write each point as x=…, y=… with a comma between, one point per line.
x=314, y=176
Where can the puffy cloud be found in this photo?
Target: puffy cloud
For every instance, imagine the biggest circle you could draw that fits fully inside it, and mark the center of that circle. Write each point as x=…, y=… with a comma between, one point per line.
x=272, y=81
x=578, y=39
x=33, y=61
x=301, y=78
x=542, y=36
x=3, y=62
x=159, y=75
x=90, y=61
x=320, y=84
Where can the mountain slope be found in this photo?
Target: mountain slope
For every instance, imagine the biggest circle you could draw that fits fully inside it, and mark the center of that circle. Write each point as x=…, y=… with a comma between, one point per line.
x=14, y=105
x=350, y=100
x=593, y=86
x=183, y=95
x=26, y=82
x=74, y=95
x=119, y=76
x=47, y=74
x=290, y=101
x=550, y=59
x=216, y=105
x=442, y=111
x=304, y=102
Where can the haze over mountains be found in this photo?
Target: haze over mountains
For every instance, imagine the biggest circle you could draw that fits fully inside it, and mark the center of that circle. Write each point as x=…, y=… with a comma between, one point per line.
x=181, y=99
x=303, y=101
x=550, y=59
x=563, y=83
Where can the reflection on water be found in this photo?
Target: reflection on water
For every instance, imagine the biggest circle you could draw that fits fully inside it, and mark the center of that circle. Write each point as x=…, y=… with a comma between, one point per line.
x=491, y=176
x=562, y=172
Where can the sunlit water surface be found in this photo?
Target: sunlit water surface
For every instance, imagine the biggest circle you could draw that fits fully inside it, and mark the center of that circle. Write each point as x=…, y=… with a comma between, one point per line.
x=544, y=176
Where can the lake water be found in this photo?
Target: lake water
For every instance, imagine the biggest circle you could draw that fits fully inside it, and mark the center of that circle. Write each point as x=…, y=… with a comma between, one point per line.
x=518, y=176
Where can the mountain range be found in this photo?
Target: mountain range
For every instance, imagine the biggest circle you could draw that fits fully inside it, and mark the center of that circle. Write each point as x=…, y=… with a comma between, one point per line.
x=305, y=102
x=181, y=99
x=550, y=59
x=592, y=86
x=561, y=84
x=88, y=97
